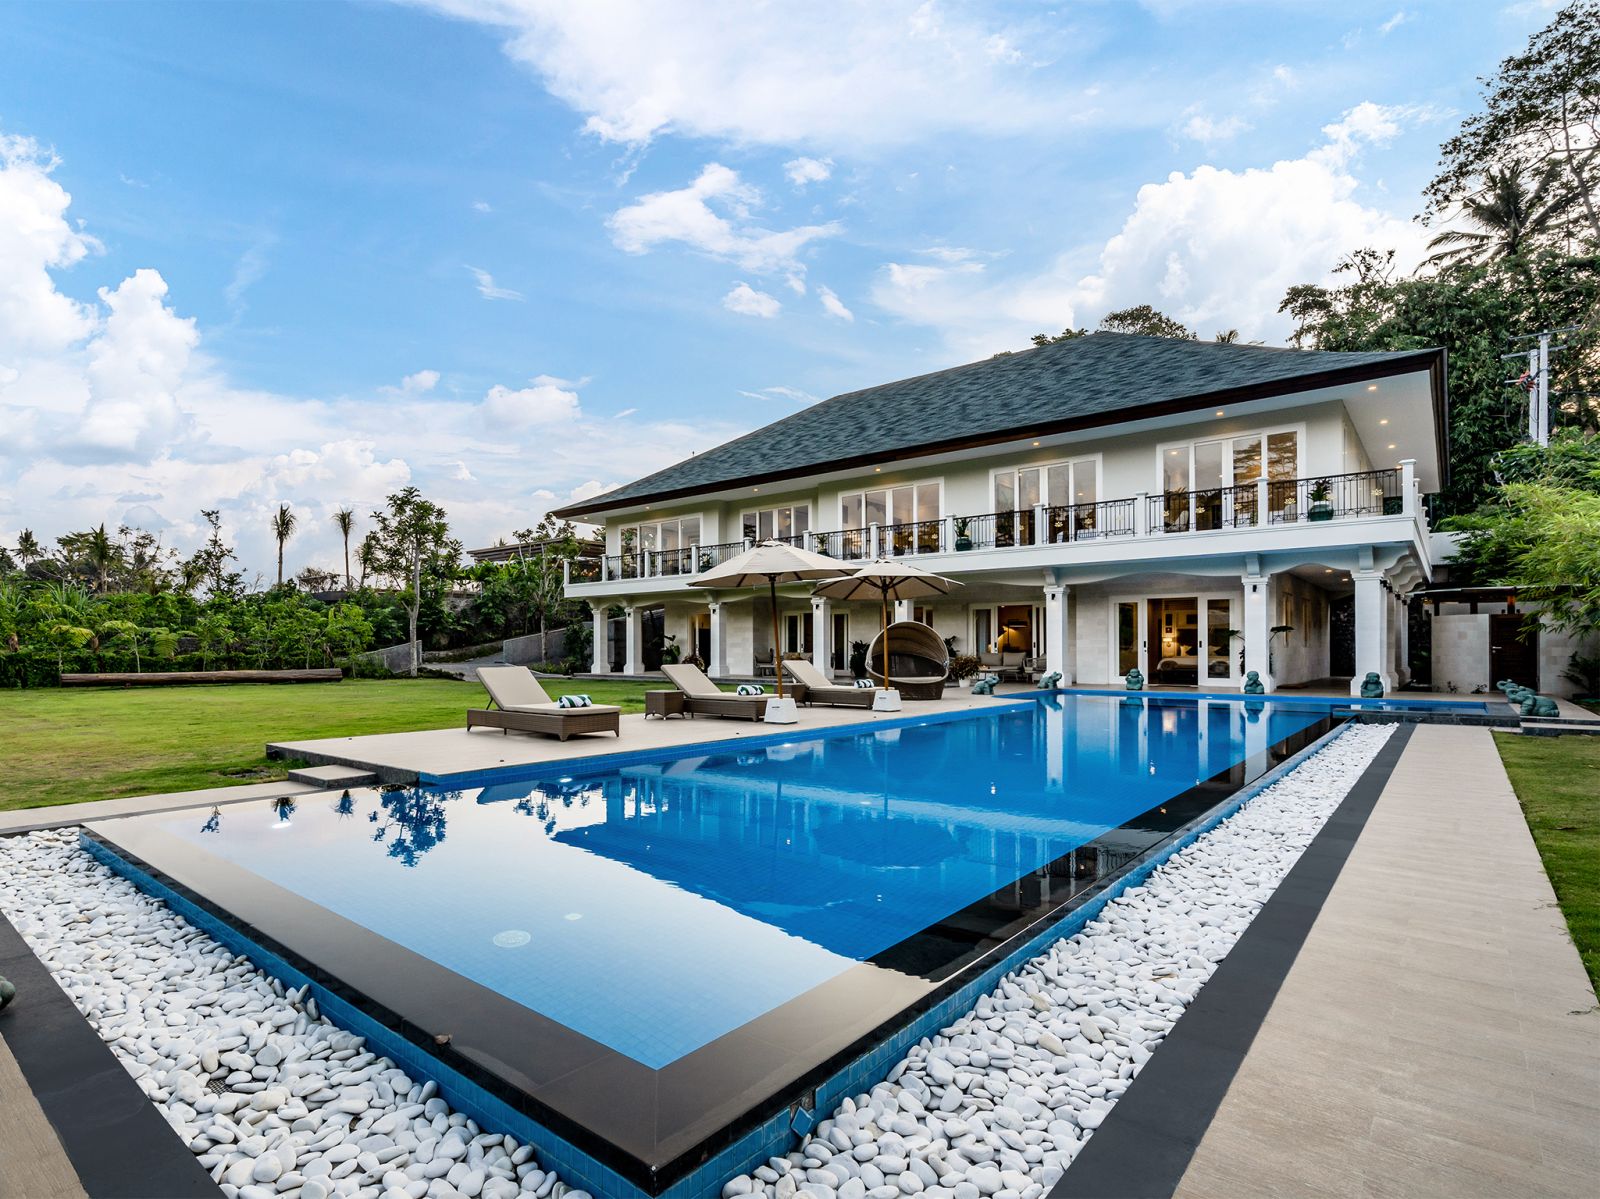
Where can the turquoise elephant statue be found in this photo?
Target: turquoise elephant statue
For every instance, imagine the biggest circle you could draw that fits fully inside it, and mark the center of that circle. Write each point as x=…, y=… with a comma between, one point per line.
x=1051, y=681
x=1539, y=705
x=8, y=992
x=983, y=686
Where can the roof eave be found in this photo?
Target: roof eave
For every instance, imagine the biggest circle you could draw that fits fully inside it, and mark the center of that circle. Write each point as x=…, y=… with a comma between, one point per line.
x=1403, y=362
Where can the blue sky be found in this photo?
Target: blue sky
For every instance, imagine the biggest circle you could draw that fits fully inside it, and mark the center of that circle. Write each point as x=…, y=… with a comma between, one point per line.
x=515, y=251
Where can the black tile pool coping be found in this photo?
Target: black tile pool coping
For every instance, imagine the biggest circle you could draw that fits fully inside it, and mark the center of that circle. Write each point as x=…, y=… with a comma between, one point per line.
x=607, y=1121
x=1145, y=1146
x=118, y=1143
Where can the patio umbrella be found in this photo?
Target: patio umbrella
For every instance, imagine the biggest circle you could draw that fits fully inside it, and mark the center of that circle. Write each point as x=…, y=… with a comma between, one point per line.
x=771, y=563
x=884, y=580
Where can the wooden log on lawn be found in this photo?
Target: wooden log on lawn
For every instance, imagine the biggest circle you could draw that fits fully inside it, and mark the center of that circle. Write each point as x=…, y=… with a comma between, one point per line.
x=178, y=678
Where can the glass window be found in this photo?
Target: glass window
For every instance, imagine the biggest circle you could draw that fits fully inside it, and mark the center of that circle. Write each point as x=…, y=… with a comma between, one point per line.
x=1207, y=465
x=1219, y=640
x=1005, y=492
x=1175, y=470
x=928, y=501
x=877, y=503
x=1246, y=459
x=1085, y=481
x=851, y=512
x=1282, y=456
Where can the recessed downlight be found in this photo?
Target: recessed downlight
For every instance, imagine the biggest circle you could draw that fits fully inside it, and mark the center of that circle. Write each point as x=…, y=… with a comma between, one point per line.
x=1384, y=421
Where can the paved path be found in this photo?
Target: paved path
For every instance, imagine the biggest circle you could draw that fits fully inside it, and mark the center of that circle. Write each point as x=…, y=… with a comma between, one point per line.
x=1437, y=1035
x=27, y=820
x=33, y=1165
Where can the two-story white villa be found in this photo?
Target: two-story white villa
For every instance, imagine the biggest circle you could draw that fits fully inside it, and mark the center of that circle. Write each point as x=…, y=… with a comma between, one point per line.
x=1193, y=509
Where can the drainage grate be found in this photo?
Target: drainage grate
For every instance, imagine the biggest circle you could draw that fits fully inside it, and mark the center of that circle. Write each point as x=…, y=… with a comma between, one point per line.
x=216, y=1088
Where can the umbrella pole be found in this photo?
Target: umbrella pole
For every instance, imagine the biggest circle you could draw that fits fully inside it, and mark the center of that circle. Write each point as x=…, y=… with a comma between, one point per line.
x=777, y=657
x=885, y=637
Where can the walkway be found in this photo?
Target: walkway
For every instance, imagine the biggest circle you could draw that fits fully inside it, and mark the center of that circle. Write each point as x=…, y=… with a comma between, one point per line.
x=1437, y=1035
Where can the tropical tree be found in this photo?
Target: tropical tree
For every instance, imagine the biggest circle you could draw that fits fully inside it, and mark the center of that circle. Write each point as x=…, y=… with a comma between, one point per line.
x=29, y=550
x=411, y=541
x=347, y=630
x=214, y=634
x=1543, y=105
x=161, y=641
x=96, y=550
x=345, y=521
x=64, y=635
x=1147, y=322
x=1512, y=213
x=283, y=523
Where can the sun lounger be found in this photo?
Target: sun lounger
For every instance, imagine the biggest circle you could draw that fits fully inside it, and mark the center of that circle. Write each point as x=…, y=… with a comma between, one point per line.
x=820, y=689
x=703, y=697
x=521, y=705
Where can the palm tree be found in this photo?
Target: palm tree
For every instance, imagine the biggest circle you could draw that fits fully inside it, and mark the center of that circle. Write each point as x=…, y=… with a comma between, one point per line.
x=345, y=521
x=283, y=523
x=101, y=553
x=1511, y=213
x=28, y=548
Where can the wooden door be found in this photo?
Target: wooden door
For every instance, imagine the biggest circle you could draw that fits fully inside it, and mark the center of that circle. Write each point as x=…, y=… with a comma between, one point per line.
x=1513, y=651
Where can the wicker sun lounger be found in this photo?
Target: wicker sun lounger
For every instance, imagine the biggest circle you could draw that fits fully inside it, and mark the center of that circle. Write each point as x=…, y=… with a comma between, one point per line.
x=820, y=689
x=522, y=706
x=702, y=697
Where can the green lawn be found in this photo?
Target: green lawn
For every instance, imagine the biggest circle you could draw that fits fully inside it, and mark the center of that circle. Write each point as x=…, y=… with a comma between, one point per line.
x=1557, y=780
x=68, y=745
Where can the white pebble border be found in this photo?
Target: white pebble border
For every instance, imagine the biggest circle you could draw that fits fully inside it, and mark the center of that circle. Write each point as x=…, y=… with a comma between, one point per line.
x=1000, y=1102
x=306, y=1111
x=997, y=1104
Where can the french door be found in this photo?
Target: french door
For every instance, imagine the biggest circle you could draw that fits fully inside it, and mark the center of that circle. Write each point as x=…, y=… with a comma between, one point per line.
x=1210, y=484
x=1175, y=641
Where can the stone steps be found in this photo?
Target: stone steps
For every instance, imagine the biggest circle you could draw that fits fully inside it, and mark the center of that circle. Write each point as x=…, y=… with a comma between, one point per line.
x=331, y=778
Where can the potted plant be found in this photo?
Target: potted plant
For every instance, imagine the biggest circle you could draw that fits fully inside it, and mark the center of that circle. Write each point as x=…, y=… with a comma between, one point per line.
x=858, y=659
x=963, y=667
x=963, y=526
x=1320, y=508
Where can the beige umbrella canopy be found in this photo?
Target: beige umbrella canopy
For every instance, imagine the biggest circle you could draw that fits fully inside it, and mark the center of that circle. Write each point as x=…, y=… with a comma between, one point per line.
x=768, y=564
x=884, y=580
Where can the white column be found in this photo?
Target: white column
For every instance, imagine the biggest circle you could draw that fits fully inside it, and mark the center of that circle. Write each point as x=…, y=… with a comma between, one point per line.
x=1408, y=486
x=718, y=666
x=1057, y=638
x=1402, y=640
x=1372, y=630
x=1258, y=628
x=635, y=640
x=601, y=654
x=822, y=635
x=1141, y=514
x=902, y=609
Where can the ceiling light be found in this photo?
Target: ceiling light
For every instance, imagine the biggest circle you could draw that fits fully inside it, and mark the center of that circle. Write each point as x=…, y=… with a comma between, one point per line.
x=1391, y=445
x=1372, y=387
x=1036, y=443
x=878, y=469
x=1219, y=411
x=1174, y=453
x=1384, y=421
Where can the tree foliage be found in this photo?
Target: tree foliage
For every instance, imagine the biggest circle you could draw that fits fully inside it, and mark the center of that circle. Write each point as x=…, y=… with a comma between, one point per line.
x=412, y=547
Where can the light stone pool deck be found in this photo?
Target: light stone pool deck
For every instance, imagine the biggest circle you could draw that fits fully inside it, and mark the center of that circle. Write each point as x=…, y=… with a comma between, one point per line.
x=1437, y=1035
x=439, y=752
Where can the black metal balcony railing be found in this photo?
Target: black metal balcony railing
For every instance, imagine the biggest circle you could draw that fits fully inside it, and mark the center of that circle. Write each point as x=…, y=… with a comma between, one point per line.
x=584, y=570
x=1086, y=522
x=913, y=537
x=848, y=545
x=1367, y=493
x=1202, y=511
x=1329, y=497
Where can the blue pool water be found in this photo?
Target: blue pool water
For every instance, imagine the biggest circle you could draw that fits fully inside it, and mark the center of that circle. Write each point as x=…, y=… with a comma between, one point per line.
x=658, y=905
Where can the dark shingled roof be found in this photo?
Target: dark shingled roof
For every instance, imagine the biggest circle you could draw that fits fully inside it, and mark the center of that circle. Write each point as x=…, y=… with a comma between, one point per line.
x=1101, y=379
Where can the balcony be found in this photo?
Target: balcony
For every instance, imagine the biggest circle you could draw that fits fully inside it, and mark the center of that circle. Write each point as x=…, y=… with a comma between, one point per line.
x=1264, y=504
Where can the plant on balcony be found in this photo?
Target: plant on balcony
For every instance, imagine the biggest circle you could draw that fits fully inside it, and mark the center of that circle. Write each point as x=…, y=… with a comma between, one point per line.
x=819, y=543
x=1321, y=508
x=963, y=527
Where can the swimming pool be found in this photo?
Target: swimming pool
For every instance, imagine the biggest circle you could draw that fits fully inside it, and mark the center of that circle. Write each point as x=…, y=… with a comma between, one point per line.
x=645, y=954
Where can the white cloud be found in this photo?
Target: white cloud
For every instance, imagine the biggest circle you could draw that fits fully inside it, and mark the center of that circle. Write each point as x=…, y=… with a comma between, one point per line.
x=488, y=289
x=791, y=394
x=549, y=401
x=1394, y=22
x=833, y=305
x=1213, y=248
x=747, y=301
x=481, y=206
x=689, y=216
x=827, y=73
x=1211, y=130
x=802, y=171
x=123, y=383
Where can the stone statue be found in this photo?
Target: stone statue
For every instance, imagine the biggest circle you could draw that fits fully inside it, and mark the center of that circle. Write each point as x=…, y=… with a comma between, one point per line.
x=983, y=685
x=1051, y=681
x=8, y=992
x=1253, y=684
x=1372, y=686
x=1135, y=680
x=1539, y=705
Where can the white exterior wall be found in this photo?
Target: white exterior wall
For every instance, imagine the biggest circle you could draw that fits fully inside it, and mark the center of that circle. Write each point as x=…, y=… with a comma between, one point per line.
x=1461, y=654
x=1129, y=464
